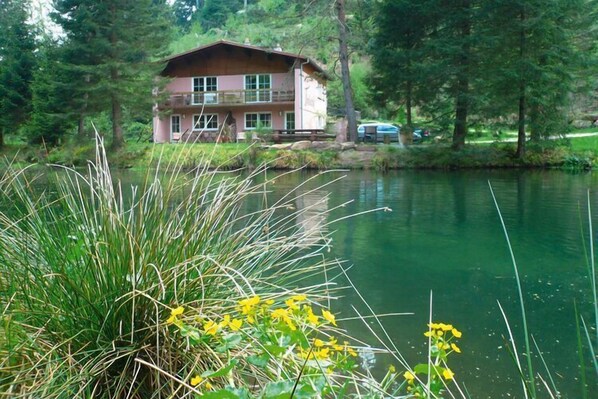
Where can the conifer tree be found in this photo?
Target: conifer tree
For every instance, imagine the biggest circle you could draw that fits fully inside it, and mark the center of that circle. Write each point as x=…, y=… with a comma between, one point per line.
x=400, y=63
x=535, y=61
x=17, y=62
x=111, y=46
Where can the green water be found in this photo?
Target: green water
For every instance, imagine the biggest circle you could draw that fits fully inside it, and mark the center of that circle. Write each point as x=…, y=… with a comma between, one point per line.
x=444, y=236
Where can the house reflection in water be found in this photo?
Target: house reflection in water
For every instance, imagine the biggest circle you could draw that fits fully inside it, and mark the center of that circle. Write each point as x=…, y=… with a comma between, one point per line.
x=312, y=212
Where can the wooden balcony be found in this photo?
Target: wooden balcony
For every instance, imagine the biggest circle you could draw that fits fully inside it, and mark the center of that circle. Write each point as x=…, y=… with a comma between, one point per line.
x=228, y=98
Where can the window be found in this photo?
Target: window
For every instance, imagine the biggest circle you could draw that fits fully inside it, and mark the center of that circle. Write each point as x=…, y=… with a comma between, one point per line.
x=289, y=120
x=258, y=120
x=205, y=122
x=205, y=90
x=175, y=123
x=257, y=88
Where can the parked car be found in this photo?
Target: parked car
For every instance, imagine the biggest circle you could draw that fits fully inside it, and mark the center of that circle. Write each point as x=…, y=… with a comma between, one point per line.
x=420, y=134
x=382, y=130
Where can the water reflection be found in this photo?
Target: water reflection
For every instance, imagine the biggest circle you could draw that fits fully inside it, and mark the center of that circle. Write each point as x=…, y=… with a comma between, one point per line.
x=444, y=236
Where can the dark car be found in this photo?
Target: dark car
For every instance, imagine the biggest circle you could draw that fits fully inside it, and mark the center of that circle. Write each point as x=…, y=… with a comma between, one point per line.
x=367, y=131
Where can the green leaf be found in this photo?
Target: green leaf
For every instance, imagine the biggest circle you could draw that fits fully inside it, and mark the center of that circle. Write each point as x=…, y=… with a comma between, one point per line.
x=221, y=394
x=222, y=372
x=230, y=342
x=421, y=368
x=278, y=390
x=191, y=333
x=275, y=349
x=259, y=360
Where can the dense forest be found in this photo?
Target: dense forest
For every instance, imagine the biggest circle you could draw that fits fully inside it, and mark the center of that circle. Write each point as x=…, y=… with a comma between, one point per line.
x=527, y=65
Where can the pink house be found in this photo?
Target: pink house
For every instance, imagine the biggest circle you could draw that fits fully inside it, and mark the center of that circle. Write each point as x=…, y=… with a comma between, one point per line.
x=227, y=89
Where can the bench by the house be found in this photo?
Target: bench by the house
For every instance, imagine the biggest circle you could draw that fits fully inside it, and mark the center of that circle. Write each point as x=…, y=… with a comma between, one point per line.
x=292, y=135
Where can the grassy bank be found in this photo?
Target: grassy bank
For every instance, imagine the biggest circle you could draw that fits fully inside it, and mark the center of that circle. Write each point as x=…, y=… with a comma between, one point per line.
x=579, y=153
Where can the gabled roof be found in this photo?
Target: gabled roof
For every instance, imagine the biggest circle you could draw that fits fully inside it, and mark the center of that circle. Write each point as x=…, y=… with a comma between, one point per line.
x=223, y=42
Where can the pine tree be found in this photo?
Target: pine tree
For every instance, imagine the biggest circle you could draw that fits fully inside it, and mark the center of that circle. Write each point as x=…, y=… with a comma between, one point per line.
x=54, y=109
x=111, y=46
x=17, y=62
x=399, y=58
x=185, y=12
x=535, y=61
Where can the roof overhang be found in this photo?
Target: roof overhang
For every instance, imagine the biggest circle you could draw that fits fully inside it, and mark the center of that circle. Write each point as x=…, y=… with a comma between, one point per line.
x=295, y=57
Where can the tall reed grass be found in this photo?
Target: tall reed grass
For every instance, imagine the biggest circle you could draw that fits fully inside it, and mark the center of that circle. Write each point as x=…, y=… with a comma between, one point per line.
x=89, y=276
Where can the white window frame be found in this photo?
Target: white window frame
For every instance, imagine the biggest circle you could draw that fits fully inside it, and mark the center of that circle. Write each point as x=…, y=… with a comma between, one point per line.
x=197, y=99
x=171, y=120
x=265, y=92
x=205, y=118
x=258, y=119
x=286, y=113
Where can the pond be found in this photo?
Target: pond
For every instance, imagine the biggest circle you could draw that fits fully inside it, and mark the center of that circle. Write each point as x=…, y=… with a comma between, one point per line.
x=444, y=236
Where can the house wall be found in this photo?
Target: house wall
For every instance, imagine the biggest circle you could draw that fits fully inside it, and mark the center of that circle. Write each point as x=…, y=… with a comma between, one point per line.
x=162, y=125
x=310, y=100
x=280, y=81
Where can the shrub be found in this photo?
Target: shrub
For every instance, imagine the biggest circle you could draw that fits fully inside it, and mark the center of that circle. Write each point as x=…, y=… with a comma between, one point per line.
x=146, y=297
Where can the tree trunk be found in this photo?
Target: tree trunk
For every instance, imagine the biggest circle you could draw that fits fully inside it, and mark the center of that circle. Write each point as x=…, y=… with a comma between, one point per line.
x=462, y=97
x=535, y=124
x=407, y=131
x=117, y=131
x=521, y=119
x=81, y=127
x=345, y=74
x=521, y=122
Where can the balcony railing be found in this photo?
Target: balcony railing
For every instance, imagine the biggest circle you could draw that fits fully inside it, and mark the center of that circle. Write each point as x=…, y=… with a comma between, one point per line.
x=229, y=97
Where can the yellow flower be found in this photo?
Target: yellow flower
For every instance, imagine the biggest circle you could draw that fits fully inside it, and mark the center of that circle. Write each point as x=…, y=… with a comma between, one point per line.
x=207, y=385
x=235, y=324
x=456, y=333
x=247, y=304
x=329, y=316
x=332, y=341
x=444, y=346
x=428, y=333
x=392, y=369
x=210, y=327
x=322, y=353
x=446, y=327
x=311, y=317
x=171, y=320
x=448, y=374
x=196, y=380
x=298, y=298
x=338, y=347
x=280, y=313
x=352, y=352
x=439, y=333
x=434, y=326
x=455, y=348
x=318, y=343
x=270, y=302
x=225, y=321
x=409, y=376
x=177, y=311
x=291, y=304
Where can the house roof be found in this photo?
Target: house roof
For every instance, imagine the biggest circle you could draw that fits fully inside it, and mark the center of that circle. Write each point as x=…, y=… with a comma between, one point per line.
x=223, y=42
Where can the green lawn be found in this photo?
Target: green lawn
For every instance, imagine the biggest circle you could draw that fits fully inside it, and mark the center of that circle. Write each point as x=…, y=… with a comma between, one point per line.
x=585, y=144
